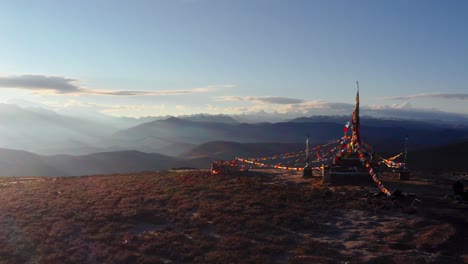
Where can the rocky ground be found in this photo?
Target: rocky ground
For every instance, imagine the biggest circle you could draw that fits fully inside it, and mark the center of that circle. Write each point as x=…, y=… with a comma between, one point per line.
x=263, y=216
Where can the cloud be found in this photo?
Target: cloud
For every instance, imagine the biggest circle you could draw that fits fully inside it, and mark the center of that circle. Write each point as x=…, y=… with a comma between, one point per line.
x=262, y=99
x=181, y=108
x=64, y=85
x=94, y=111
x=145, y=93
x=405, y=105
x=296, y=108
x=133, y=110
x=76, y=104
x=320, y=104
x=459, y=96
x=40, y=83
x=315, y=107
x=274, y=112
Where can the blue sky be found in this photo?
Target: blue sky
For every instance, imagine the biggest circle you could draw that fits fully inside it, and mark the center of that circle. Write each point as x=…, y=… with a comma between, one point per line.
x=140, y=58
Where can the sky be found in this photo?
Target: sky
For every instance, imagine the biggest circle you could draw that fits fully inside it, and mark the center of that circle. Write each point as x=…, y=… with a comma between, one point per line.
x=178, y=57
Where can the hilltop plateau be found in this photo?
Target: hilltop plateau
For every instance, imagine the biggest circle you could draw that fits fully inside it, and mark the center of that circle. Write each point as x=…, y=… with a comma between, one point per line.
x=260, y=217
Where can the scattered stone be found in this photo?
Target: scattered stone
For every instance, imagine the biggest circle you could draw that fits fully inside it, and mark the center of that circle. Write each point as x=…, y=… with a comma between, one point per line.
x=458, y=188
x=397, y=194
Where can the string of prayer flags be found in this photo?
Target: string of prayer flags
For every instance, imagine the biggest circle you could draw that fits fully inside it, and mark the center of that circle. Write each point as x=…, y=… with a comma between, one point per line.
x=374, y=175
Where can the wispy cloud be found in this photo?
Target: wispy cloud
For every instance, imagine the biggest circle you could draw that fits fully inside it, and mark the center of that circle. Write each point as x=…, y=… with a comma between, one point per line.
x=145, y=93
x=40, y=83
x=273, y=113
x=405, y=105
x=63, y=85
x=132, y=110
x=459, y=96
x=262, y=99
x=64, y=104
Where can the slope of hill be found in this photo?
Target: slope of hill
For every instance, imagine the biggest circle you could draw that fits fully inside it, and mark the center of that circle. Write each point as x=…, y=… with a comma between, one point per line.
x=449, y=157
x=158, y=133
x=228, y=150
x=45, y=132
x=22, y=163
x=194, y=217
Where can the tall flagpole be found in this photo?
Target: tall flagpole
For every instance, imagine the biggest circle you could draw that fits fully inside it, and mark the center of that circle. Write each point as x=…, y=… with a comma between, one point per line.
x=307, y=172
x=355, y=138
x=406, y=149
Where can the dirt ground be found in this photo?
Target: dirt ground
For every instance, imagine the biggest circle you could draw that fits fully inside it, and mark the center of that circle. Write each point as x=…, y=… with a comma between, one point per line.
x=264, y=216
x=431, y=226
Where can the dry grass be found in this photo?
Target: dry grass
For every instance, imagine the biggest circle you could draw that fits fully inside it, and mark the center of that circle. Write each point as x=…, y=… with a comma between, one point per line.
x=186, y=217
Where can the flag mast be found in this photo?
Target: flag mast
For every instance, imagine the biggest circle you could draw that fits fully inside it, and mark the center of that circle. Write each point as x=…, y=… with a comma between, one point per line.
x=307, y=172
x=356, y=138
x=406, y=149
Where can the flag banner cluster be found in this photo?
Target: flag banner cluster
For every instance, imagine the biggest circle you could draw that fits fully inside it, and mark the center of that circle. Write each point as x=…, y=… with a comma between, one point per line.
x=345, y=129
x=282, y=156
x=303, y=161
x=395, y=157
x=346, y=145
x=263, y=165
x=296, y=154
x=372, y=173
x=392, y=164
x=226, y=166
x=390, y=161
x=323, y=156
x=355, y=138
x=321, y=160
x=320, y=153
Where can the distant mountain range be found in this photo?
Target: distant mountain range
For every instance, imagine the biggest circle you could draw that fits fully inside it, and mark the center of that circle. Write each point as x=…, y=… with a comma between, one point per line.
x=385, y=122
x=22, y=163
x=47, y=133
x=176, y=135
x=225, y=119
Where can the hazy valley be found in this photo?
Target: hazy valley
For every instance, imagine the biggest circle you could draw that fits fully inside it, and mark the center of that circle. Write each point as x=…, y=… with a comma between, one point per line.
x=37, y=142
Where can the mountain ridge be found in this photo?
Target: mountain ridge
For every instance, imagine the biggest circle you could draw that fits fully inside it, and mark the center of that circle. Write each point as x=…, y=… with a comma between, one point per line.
x=385, y=134
x=23, y=163
x=46, y=132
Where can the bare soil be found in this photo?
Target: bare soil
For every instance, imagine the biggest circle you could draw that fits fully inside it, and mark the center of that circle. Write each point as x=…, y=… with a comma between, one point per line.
x=265, y=216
